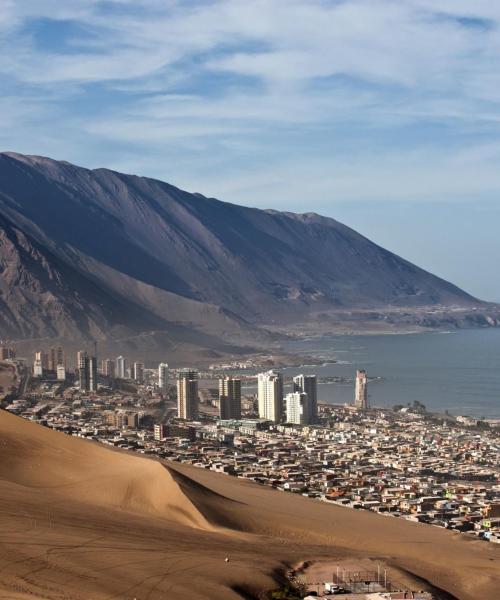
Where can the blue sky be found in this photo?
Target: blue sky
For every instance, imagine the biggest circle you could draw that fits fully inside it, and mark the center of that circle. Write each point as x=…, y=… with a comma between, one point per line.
x=384, y=114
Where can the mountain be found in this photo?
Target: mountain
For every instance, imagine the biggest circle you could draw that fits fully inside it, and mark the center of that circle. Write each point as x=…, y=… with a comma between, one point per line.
x=81, y=521
x=99, y=254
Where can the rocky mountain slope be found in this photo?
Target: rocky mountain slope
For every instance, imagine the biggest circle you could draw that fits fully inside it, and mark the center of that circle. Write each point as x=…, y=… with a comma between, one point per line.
x=99, y=254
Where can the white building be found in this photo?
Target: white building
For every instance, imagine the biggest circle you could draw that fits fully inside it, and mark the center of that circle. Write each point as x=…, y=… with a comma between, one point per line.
x=297, y=408
x=163, y=377
x=270, y=396
x=37, y=367
x=309, y=385
x=61, y=372
x=121, y=367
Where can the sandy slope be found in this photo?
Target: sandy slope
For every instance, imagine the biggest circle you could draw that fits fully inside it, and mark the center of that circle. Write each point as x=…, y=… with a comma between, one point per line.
x=79, y=521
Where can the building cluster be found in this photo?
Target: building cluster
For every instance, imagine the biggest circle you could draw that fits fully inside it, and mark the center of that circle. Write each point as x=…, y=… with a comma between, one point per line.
x=397, y=463
x=51, y=362
x=7, y=353
x=298, y=407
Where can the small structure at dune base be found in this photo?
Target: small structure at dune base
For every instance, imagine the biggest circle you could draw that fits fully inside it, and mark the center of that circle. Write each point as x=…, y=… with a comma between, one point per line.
x=349, y=581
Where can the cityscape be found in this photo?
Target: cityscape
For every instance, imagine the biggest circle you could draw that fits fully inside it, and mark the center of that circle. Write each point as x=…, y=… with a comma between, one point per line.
x=403, y=462
x=249, y=322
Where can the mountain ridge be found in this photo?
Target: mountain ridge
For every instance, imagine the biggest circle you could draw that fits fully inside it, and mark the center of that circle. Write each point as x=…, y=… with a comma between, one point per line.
x=162, y=256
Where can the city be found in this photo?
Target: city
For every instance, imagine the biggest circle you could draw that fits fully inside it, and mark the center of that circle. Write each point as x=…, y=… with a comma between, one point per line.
x=403, y=462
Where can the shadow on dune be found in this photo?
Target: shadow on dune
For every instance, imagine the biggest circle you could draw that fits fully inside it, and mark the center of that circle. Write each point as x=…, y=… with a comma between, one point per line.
x=217, y=509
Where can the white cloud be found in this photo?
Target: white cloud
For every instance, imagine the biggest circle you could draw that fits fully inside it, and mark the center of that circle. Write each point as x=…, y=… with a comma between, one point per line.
x=249, y=82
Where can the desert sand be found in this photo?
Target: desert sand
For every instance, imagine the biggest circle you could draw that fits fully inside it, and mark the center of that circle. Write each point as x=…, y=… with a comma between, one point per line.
x=79, y=521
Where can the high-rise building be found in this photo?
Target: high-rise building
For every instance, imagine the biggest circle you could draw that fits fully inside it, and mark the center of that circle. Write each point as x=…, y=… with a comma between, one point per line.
x=52, y=359
x=61, y=372
x=83, y=371
x=361, y=390
x=92, y=374
x=108, y=368
x=43, y=357
x=56, y=358
x=308, y=384
x=270, y=396
x=187, y=394
x=297, y=408
x=139, y=372
x=37, y=368
x=121, y=367
x=87, y=372
x=163, y=377
x=229, y=398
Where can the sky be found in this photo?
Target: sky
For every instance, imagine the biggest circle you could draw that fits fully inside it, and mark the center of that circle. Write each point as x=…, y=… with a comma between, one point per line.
x=383, y=114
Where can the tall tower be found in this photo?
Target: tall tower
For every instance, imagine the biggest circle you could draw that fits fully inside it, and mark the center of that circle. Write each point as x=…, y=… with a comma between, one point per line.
x=121, y=367
x=270, y=396
x=108, y=368
x=43, y=357
x=92, y=366
x=187, y=394
x=83, y=371
x=361, y=390
x=229, y=398
x=139, y=372
x=297, y=408
x=87, y=372
x=308, y=384
x=163, y=377
x=56, y=358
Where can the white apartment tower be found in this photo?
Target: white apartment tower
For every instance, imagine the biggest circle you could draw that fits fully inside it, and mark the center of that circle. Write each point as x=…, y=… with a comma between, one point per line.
x=37, y=368
x=297, y=408
x=163, y=377
x=61, y=372
x=361, y=390
x=270, y=396
x=121, y=367
x=187, y=394
x=229, y=398
x=308, y=384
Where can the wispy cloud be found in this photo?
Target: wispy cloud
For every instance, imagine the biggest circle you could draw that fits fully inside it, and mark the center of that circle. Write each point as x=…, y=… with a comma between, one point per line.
x=300, y=88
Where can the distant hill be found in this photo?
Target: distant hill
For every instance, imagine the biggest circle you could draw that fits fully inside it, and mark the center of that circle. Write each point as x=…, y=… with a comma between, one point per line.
x=99, y=254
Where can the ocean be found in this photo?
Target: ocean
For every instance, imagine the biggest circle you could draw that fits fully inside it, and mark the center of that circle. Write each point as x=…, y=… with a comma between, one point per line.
x=457, y=371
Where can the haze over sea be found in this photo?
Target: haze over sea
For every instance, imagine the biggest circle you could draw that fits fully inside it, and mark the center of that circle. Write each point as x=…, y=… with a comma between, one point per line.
x=457, y=371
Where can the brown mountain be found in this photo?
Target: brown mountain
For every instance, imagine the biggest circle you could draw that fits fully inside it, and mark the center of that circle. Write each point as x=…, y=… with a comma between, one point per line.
x=99, y=254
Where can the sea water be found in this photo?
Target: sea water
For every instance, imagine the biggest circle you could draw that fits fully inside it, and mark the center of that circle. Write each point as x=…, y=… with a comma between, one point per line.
x=456, y=371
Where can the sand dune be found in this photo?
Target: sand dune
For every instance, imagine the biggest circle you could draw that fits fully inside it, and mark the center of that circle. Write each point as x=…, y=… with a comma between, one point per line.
x=82, y=522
